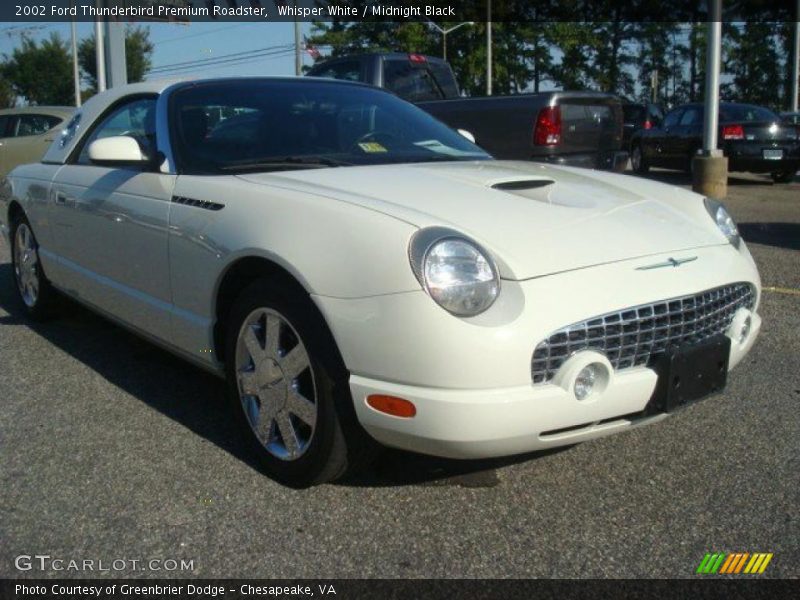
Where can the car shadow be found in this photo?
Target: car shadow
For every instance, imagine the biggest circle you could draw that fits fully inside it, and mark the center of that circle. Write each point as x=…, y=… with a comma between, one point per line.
x=778, y=235
x=197, y=399
x=399, y=468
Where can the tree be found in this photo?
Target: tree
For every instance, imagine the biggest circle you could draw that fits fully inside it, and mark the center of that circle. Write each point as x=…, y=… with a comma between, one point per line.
x=41, y=73
x=573, y=41
x=466, y=48
x=8, y=98
x=659, y=52
x=138, y=53
x=752, y=62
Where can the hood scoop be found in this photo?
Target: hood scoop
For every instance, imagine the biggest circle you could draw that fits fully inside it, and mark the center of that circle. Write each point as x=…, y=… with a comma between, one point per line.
x=531, y=189
x=521, y=185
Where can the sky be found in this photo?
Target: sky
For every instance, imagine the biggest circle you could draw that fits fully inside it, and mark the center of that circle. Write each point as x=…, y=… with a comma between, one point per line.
x=239, y=48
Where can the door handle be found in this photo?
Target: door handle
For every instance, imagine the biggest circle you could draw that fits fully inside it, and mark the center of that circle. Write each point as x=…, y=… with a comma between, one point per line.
x=61, y=198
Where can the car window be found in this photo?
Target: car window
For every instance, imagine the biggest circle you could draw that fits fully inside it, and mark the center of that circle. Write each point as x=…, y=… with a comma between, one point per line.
x=745, y=113
x=4, y=122
x=655, y=114
x=594, y=114
x=445, y=78
x=136, y=119
x=349, y=70
x=691, y=116
x=633, y=113
x=411, y=82
x=672, y=117
x=35, y=124
x=278, y=125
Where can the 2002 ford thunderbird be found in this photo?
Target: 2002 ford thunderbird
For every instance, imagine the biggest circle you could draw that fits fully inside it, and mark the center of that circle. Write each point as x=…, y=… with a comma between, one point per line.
x=358, y=271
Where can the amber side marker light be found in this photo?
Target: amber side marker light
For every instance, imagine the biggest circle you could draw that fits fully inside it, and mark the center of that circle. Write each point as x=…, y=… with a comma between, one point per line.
x=391, y=405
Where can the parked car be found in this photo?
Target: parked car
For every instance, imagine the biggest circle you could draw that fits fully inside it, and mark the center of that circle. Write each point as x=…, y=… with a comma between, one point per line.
x=413, y=77
x=26, y=133
x=752, y=137
x=792, y=118
x=360, y=272
x=637, y=116
x=582, y=129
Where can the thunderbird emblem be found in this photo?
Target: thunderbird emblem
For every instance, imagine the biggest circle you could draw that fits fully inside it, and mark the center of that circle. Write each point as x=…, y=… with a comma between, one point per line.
x=670, y=262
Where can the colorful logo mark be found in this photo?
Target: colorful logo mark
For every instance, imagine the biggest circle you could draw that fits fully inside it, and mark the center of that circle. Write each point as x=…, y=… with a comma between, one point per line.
x=734, y=563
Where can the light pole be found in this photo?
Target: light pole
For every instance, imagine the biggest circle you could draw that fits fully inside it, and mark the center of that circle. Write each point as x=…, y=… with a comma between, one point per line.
x=100, y=57
x=298, y=51
x=796, y=57
x=75, y=73
x=489, y=48
x=444, y=33
x=710, y=168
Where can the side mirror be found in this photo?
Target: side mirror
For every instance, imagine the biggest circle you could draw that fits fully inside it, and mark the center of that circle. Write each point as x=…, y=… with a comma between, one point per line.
x=117, y=151
x=467, y=135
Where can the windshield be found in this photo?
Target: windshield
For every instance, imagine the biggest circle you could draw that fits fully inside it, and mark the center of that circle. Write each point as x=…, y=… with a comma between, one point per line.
x=223, y=127
x=745, y=113
x=633, y=113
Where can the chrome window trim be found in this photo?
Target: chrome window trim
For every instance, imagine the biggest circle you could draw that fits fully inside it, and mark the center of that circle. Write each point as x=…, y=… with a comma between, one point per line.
x=163, y=138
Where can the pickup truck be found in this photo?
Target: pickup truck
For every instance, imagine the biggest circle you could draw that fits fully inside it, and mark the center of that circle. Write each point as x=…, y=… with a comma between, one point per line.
x=582, y=129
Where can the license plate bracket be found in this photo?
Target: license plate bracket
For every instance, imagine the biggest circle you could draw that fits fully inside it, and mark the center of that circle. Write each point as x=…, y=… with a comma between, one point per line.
x=690, y=373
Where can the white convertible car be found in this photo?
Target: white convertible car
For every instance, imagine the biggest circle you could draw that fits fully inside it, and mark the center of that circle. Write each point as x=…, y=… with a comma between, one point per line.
x=359, y=272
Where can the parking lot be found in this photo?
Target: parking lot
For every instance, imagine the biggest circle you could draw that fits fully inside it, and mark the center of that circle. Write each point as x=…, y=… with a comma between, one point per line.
x=113, y=449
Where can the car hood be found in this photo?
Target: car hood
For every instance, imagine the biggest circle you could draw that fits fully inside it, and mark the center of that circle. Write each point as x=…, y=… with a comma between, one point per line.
x=536, y=219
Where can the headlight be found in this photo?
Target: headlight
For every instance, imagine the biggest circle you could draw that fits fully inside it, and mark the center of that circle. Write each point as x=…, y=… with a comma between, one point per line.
x=455, y=271
x=724, y=221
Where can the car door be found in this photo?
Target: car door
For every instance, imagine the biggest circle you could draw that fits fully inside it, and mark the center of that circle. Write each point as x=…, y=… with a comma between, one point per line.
x=661, y=151
x=29, y=138
x=111, y=224
x=686, y=135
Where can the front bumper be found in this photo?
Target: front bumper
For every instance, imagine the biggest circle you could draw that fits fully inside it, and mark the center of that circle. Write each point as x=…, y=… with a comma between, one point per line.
x=470, y=379
x=498, y=422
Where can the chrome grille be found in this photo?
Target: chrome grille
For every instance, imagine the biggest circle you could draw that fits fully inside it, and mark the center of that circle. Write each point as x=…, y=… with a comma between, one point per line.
x=629, y=337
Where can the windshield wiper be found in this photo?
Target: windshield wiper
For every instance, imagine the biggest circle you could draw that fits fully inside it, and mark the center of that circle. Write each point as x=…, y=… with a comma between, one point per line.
x=286, y=162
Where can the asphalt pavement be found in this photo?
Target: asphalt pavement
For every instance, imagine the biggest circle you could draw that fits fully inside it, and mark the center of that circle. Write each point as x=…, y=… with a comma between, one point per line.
x=113, y=449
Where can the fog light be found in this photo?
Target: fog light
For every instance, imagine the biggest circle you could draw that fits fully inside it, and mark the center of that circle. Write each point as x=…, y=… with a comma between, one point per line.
x=741, y=326
x=744, y=329
x=585, y=381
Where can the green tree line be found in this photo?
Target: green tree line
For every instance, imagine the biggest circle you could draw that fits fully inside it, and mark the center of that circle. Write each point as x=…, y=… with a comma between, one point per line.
x=664, y=61
x=41, y=72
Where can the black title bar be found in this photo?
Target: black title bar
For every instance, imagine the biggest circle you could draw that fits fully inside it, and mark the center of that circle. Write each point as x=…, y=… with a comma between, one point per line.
x=399, y=589
x=541, y=11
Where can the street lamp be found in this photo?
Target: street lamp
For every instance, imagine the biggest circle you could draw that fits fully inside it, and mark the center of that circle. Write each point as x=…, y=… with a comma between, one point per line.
x=444, y=33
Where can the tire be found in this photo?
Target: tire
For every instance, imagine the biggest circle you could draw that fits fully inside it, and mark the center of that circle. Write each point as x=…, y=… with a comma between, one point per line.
x=783, y=176
x=34, y=291
x=638, y=162
x=283, y=366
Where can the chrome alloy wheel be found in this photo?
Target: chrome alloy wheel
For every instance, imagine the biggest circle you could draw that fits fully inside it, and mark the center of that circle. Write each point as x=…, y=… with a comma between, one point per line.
x=276, y=384
x=26, y=261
